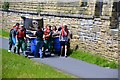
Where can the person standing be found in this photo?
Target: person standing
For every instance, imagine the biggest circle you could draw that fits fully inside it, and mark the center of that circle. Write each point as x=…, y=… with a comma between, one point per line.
x=12, y=37
x=39, y=34
x=21, y=40
x=54, y=32
x=64, y=39
x=56, y=42
x=47, y=39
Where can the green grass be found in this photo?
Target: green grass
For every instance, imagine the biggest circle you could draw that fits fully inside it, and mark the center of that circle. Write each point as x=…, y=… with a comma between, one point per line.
x=94, y=59
x=0, y=64
x=4, y=33
x=15, y=66
x=82, y=55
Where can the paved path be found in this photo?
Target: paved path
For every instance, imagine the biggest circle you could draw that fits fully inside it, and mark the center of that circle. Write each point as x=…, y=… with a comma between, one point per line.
x=72, y=66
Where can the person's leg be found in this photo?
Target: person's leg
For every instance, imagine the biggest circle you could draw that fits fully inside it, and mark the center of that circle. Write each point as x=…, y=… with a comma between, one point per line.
x=61, y=50
x=45, y=46
x=37, y=49
x=40, y=49
x=18, y=47
x=23, y=47
x=49, y=46
x=14, y=44
x=14, y=48
x=62, y=46
x=10, y=44
x=66, y=48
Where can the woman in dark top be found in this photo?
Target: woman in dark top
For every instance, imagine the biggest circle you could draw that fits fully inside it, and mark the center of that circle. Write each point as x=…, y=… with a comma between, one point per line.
x=39, y=34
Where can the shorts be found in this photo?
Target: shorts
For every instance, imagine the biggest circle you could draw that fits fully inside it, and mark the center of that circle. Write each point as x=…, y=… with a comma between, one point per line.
x=63, y=43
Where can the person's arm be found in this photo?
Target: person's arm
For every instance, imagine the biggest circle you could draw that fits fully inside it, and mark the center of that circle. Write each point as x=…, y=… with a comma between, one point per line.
x=25, y=32
x=36, y=33
x=16, y=37
x=43, y=35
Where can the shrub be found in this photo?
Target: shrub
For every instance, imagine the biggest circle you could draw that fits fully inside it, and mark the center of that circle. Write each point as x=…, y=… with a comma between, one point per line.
x=5, y=6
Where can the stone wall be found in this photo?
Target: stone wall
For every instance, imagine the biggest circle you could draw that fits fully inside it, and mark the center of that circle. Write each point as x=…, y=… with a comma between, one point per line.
x=54, y=7
x=9, y=19
x=93, y=35
x=90, y=34
x=59, y=7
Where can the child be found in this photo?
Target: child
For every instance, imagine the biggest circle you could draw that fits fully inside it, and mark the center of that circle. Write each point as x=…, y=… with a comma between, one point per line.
x=21, y=35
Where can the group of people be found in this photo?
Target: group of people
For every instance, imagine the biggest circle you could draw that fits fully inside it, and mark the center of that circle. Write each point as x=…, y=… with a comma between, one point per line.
x=44, y=39
x=17, y=38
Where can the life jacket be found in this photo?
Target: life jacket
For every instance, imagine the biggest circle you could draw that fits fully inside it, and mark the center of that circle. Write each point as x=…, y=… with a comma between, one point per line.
x=64, y=33
x=21, y=34
x=47, y=31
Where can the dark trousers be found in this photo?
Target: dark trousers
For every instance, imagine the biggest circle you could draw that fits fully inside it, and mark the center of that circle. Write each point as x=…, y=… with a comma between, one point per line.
x=39, y=48
x=21, y=44
x=47, y=45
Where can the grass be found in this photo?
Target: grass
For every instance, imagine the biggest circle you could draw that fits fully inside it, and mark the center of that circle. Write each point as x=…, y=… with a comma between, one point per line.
x=82, y=55
x=15, y=66
x=93, y=59
x=0, y=64
x=4, y=33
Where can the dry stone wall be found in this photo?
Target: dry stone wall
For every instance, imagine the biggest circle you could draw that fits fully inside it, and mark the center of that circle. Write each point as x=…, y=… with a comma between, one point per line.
x=53, y=7
x=90, y=34
x=93, y=35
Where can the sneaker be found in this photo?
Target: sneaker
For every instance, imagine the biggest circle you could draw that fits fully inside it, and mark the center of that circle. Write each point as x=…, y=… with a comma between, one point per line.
x=52, y=54
x=65, y=56
x=24, y=53
x=41, y=57
x=9, y=50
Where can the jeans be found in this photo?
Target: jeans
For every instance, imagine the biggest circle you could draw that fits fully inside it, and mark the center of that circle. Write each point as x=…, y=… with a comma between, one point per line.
x=12, y=43
x=39, y=48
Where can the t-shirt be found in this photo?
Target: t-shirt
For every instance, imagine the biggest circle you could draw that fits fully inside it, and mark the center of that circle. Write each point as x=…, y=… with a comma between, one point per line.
x=39, y=35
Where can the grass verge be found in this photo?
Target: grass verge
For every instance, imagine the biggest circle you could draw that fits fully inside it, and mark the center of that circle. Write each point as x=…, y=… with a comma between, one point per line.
x=15, y=66
x=94, y=59
x=0, y=64
x=4, y=33
x=82, y=55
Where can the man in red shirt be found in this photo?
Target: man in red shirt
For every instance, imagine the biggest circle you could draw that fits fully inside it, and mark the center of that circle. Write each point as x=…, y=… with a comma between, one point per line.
x=47, y=39
x=21, y=35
